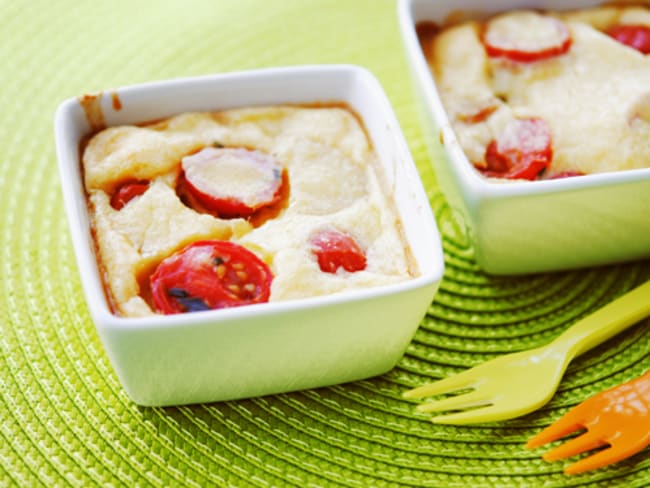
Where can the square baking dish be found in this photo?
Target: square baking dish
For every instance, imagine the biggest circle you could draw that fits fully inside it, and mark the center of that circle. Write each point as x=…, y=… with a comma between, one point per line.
x=271, y=347
x=526, y=227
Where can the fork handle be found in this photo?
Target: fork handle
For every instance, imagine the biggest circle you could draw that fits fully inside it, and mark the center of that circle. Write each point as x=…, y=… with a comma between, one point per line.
x=607, y=321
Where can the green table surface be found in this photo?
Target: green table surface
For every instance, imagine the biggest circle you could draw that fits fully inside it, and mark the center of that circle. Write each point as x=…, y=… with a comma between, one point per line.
x=64, y=418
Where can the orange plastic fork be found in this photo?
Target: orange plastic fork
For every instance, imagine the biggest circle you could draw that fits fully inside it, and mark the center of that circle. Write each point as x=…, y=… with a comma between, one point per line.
x=618, y=417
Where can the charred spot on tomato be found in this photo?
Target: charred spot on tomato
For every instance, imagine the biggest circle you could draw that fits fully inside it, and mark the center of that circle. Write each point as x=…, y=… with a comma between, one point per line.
x=188, y=303
x=178, y=293
x=127, y=191
x=192, y=304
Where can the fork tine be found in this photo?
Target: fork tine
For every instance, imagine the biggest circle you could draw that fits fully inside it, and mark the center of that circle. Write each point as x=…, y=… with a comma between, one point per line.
x=472, y=399
x=577, y=445
x=489, y=413
x=600, y=459
x=570, y=422
x=445, y=385
x=620, y=449
x=553, y=432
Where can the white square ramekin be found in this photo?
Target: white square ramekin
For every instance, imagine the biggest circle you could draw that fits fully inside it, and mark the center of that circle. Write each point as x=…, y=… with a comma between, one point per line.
x=272, y=347
x=526, y=227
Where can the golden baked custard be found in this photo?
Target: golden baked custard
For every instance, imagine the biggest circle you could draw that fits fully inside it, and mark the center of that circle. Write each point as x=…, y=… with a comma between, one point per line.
x=213, y=210
x=539, y=95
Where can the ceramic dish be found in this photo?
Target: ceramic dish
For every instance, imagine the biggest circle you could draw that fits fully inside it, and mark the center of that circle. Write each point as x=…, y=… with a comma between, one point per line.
x=271, y=347
x=525, y=227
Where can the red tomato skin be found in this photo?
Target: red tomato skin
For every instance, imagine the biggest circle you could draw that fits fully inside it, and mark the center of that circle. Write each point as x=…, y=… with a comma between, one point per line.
x=634, y=36
x=191, y=279
x=334, y=250
x=128, y=191
x=512, y=53
x=227, y=208
x=517, y=163
x=528, y=56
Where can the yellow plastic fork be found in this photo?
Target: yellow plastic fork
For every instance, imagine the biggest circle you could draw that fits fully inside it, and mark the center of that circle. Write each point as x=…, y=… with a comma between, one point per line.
x=515, y=384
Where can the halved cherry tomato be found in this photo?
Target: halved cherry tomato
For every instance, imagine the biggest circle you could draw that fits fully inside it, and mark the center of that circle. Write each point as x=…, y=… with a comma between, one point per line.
x=126, y=192
x=232, y=182
x=209, y=275
x=335, y=250
x=634, y=36
x=521, y=151
x=526, y=37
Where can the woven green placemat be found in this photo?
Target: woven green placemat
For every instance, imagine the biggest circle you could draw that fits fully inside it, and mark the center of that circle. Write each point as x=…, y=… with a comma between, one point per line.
x=64, y=419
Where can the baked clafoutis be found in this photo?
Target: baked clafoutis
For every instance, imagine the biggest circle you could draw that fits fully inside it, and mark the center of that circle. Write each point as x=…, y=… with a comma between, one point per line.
x=213, y=210
x=540, y=95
